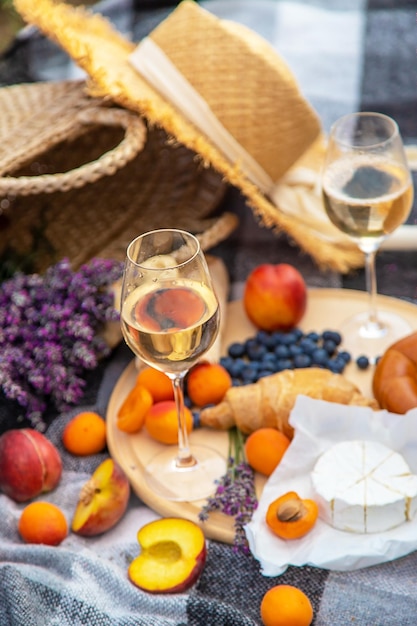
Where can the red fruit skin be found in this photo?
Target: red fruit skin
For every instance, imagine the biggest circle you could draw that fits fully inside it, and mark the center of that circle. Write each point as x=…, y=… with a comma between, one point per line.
x=275, y=297
x=29, y=464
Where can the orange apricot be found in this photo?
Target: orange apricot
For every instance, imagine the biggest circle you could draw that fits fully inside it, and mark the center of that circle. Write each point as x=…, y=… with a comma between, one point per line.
x=291, y=517
x=207, y=383
x=43, y=522
x=131, y=415
x=157, y=383
x=85, y=434
x=286, y=605
x=264, y=449
x=162, y=424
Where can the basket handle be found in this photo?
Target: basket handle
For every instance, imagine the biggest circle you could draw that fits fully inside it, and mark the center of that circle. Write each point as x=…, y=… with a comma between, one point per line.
x=106, y=165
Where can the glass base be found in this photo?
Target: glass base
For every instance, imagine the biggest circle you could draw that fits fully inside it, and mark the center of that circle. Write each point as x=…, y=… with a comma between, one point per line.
x=185, y=484
x=361, y=337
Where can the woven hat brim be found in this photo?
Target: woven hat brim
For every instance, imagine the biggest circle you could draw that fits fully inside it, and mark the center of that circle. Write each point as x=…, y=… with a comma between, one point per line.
x=103, y=53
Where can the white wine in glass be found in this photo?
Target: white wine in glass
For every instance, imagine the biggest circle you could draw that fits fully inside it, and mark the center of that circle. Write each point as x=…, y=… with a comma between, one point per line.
x=368, y=193
x=170, y=318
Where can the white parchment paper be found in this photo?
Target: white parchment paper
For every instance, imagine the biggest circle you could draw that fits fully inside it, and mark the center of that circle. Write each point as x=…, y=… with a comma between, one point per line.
x=318, y=426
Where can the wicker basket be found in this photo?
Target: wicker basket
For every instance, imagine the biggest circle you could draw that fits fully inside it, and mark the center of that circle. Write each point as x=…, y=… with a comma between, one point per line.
x=80, y=177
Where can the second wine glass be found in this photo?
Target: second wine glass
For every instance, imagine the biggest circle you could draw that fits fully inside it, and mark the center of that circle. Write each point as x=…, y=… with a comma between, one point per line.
x=368, y=193
x=170, y=318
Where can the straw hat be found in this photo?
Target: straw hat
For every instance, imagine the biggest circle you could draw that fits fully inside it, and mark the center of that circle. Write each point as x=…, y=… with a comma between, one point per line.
x=222, y=91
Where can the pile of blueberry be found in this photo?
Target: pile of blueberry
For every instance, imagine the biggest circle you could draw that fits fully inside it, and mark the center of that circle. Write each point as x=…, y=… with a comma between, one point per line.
x=269, y=352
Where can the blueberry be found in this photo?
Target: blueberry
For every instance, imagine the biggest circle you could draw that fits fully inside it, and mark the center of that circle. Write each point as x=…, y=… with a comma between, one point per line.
x=256, y=351
x=282, y=352
x=284, y=364
x=235, y=370
x=226, y=362
x=329, y=345
x=362, y=362
x=289, y=338
x=332, y=335
x=336, y=366
x=302, y=360
x=196, y=419
x=313, y=336
x=249, y=374
x=346, y=356
x=307, y=345
x=295, y=349
x=269, y=365
x=266, y=339
x=320, y=356
x=236, y=350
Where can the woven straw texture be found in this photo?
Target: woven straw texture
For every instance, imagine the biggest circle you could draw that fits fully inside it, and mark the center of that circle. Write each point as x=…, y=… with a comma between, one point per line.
x=247, y=85
x=100, y=212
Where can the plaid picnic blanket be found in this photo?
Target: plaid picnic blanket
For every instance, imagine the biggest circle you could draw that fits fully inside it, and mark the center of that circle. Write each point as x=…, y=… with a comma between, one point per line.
x=347, y=55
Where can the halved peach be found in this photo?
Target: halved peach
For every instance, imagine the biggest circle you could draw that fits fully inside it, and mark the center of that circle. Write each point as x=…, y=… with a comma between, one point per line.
x=172, y=557
x=103, y=500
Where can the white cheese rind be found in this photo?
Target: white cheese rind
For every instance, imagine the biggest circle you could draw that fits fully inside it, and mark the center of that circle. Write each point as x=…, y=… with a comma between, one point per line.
x=364, y=487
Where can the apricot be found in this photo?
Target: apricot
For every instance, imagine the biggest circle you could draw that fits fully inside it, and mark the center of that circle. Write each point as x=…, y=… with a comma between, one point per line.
x=286, y=605
x=161, y=421
x=30, y=464
x=264, y=449
x=157, y=383
x=275, y=296
x=291, y=517
x=207, y=383
x=85, y=434
x=43, y=522
x=102, y=501
x=172, y=556
x=132, y=413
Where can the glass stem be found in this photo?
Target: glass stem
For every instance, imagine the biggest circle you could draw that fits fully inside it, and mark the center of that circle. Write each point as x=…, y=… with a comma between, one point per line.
x=370, y=274
x=184, y=457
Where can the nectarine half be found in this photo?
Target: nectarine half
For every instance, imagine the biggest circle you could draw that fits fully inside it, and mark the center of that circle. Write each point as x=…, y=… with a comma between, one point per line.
x=172, y=557
x=103, y=500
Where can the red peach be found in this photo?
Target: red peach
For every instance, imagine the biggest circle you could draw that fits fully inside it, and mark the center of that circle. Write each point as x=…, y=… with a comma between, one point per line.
x=30, y=464
x=275, y=297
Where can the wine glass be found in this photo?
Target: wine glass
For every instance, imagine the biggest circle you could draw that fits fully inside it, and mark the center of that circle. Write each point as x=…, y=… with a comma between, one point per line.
x=368, y=193
x=170, y=318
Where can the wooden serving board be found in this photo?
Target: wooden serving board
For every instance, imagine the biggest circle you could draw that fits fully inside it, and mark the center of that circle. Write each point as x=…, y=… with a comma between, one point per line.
x=326, y=309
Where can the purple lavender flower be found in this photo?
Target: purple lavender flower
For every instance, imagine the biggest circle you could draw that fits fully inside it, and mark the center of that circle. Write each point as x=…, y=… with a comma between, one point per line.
x=235, y=494
x=49, y=329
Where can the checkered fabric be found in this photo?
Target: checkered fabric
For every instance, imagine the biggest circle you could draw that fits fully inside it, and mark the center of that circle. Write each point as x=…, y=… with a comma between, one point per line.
x=347, y=55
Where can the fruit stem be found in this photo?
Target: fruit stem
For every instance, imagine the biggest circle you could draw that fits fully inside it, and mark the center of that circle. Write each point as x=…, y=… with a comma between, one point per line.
x=184, y=457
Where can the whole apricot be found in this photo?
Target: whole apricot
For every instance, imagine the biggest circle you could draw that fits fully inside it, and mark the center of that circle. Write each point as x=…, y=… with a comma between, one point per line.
x=286, y=605
x=157, y=383
x=30, y=464
x=161, y=421
x=207, y=383
x=264, y=449
x=43, y=522
x=275, y=296
x=85, y=434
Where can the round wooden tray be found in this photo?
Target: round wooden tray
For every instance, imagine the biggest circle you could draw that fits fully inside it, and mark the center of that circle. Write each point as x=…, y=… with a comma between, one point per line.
x=326, y=309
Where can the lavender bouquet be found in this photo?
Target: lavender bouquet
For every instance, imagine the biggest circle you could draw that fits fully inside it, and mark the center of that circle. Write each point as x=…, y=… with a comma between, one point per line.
x=49, y=333
x=235, y=493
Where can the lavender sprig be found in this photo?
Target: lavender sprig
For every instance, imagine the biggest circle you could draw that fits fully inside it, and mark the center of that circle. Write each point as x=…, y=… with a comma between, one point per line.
x=49, y=333
x=235, y=493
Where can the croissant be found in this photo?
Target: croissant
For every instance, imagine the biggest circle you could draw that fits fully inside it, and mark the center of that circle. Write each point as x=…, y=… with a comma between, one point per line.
x=268, y=402
x=395, y=378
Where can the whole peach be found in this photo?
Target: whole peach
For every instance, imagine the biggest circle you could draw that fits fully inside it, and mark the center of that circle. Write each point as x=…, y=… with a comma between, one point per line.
x=30, y=464
x=275, y=296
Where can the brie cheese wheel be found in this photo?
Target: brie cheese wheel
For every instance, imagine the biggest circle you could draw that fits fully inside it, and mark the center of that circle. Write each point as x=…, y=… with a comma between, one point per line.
x=364, y=487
